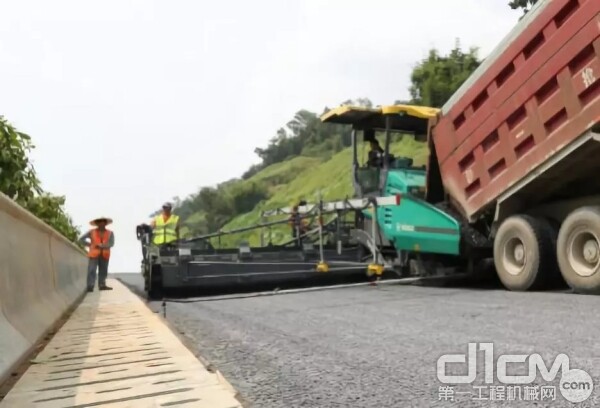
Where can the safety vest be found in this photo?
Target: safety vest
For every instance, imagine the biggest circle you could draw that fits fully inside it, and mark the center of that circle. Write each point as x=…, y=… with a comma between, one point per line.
x=97, y=238
x=164, y=232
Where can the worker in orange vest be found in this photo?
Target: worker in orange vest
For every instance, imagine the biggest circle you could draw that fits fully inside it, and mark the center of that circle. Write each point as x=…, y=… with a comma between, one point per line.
x=101, y=240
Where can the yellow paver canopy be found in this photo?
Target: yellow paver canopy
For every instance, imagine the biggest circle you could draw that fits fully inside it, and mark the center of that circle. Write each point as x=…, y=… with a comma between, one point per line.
x=400, y=118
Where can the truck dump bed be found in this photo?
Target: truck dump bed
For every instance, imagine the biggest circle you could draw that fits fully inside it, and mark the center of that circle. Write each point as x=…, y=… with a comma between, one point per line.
x=538, y=91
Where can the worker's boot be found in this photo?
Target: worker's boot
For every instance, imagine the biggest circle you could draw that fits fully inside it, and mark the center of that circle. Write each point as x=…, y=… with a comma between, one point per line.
x=104, y=287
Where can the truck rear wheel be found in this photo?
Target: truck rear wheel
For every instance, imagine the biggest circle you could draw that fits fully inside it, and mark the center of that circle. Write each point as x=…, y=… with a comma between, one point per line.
x=578, y=250
x=524, y=253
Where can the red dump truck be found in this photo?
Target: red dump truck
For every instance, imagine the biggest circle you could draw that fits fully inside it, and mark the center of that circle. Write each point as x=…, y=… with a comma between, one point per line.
x=516, y=150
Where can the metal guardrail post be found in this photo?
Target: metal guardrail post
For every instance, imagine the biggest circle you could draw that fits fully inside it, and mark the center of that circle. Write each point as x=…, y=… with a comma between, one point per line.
x=321, y=228
x=262, y=232
x=375, y=268
x=374, y=231
x=322, y=266
x=338, y=231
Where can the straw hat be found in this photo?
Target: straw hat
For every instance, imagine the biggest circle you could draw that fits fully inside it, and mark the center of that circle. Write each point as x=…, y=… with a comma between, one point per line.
x=95, y=221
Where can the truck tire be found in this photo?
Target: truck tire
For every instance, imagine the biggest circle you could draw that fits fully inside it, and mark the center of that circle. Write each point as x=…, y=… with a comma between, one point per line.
x=524, y=253
x=578, y=250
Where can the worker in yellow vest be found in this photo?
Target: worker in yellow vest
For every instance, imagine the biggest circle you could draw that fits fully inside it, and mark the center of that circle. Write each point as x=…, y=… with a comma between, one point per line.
x=165, y=226
x=101, y=240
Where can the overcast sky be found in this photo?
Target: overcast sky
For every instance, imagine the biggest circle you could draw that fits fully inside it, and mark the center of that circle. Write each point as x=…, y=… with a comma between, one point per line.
x=133, y=102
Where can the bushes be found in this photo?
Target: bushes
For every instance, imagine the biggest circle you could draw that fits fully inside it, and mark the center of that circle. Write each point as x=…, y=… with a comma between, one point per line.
x=246, y=196
x=18, y=180
x=218, y=205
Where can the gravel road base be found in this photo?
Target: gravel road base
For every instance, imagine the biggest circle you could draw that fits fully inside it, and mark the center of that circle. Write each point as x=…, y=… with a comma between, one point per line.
x=378, y=346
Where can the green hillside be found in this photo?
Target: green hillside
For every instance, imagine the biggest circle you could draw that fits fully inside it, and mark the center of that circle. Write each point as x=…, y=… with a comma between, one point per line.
x=303, y=178
x=266, y=183
x=307, y=157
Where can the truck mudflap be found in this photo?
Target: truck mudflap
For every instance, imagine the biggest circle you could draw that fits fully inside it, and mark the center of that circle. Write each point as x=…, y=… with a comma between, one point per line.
x=417, y=226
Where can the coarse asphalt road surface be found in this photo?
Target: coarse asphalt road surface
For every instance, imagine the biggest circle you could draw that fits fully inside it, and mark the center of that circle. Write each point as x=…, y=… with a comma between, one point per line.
x=378, y=346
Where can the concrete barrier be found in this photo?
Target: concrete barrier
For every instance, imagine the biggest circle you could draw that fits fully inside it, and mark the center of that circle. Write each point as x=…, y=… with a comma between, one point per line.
x=42, y=274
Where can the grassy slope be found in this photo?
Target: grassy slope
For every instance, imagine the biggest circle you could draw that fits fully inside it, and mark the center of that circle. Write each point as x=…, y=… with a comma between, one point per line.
x=274, y=177
x=303, y=178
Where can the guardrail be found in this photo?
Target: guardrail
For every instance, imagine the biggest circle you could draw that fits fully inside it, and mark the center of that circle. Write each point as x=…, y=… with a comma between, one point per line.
x=42, y=274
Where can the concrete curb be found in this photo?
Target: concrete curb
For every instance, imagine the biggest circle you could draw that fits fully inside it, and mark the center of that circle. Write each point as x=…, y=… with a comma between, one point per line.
x=43, y=275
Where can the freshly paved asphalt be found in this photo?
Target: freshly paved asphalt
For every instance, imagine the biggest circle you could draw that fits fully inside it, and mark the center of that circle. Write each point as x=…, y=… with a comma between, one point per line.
x=378, y=346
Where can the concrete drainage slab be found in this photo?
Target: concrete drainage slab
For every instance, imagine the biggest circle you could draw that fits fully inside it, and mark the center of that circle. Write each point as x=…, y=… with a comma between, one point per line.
x=116, y=352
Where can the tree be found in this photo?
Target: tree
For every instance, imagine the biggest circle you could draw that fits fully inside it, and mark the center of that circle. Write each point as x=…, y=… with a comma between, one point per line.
x=17, y=175
x=525, y=5
x=18, y=180
x=247, y=196
x=255, y=168
x=364, y=102
x=437, y=77
x=49, y=208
